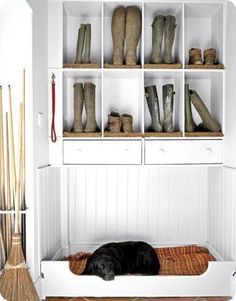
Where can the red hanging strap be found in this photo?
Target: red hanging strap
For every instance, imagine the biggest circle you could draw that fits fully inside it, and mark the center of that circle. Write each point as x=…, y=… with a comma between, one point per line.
x=53, y=131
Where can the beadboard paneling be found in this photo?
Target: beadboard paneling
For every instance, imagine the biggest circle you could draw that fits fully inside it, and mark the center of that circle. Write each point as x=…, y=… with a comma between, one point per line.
x=49, y=196
x=162, y=205
x=222, y=211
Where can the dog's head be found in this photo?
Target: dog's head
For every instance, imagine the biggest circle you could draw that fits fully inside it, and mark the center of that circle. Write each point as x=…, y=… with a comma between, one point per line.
x=103, y=266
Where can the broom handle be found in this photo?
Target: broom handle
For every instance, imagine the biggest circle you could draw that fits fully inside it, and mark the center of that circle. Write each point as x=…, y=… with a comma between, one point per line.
x=19, y=176
x=9, y=202
x=13, y=161
x=23, y=146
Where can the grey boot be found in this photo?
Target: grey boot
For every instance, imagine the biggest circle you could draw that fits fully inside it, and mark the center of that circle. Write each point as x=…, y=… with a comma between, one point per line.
x=190, y=125
x=208, y=122
x=153, y=106
x=157, y=38
x=118, y=35
x=169, y=35
x=133, y=32
x=78, y=107
x=89, y=98
x=168, y=106
x=80, y=44
x=87, y=44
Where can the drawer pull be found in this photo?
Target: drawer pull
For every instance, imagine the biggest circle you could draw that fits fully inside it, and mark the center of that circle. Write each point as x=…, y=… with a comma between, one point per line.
x=209, y=151
x=161, y=151
x=79, y=149
x=126, y=150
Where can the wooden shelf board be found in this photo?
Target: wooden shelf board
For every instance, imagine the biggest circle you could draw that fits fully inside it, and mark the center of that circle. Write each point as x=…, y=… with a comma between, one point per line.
x=96, y=66
x=111, y=66
x=195, y=66
x=203, y=134
x=133, y=134
x=83, y=135
x=163, y=134
x=163, y=66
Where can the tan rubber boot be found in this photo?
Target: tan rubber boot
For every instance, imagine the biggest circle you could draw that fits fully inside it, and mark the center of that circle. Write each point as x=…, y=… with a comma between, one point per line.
x=210, y=56
x=114, y=122
x=127, y=123
x=157, y=39
x=89, y=98
x=208, y=122
x=133, y=32
x=190, y=125
x=169, y=35
x=195, y=56
x=80, y=45
x=78, y=107
x=118, y=35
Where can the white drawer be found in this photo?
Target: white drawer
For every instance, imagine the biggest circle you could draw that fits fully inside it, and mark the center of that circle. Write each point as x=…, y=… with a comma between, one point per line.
x=183, y=152
x=102, y=152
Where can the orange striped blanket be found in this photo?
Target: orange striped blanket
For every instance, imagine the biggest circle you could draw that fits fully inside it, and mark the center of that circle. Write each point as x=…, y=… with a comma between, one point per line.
x=186, y=260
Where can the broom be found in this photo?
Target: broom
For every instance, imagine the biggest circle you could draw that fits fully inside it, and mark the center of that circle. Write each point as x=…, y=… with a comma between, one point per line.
x=16, y=283
x=2, y=185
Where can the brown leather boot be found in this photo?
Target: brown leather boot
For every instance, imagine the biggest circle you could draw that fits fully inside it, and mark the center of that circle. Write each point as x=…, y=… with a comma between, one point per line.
x=209, y=56
x=195, y=56
x=114, y=122
x=127, y=123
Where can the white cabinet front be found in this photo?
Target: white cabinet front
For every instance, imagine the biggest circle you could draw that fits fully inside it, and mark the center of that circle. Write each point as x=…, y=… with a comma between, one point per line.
x=102, y=152
x=183, y=152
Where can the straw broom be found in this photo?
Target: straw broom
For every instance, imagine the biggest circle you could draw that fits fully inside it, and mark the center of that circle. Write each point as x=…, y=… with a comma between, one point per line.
x=16, y=283
x=2, y=184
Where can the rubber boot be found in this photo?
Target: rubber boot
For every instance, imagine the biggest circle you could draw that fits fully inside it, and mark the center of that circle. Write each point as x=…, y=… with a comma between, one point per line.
x=78, y=107
x=114, y=122
x=89, y=98
x=168, y=107
x=209, y=56
x=195, y=56
x=118, y=35
x=190, y=125
x=133, y=32
x=169, y=35
x=208, y=122
x=157, y=39
x=153, y=106
x=127, y=123
x=80, y=44
x=87, y=44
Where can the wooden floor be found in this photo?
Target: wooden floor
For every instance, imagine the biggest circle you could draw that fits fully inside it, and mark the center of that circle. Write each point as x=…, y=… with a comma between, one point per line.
x=141, y=299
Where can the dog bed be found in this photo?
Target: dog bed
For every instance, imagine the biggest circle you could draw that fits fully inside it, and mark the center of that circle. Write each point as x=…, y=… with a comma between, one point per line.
x=186, y=260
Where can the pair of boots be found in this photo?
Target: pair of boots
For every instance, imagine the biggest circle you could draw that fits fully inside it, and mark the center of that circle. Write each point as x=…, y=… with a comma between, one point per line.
x=126, y=24
x=163, y=26
x=117, y=123
x=84, y=95
x=83, y=44
x=208, y=122
x=195, y=56
x=168, y=107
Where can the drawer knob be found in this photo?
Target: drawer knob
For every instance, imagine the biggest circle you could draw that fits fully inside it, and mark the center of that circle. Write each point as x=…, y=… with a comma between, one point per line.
x=209, y=150
x=161, y=151
x=79, y=150
x=126, y=149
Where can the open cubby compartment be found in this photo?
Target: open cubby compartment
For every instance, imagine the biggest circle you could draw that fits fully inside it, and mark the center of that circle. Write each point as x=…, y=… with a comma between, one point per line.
x=163, y=8
x=69, y=78
x=204, y=28
x=109, y=8
x=123, y=93
x=209, y=86
x=160, y=78
x=75, y=14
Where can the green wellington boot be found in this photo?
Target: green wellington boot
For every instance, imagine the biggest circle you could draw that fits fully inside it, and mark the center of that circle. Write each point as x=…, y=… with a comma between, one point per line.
x=78, y=107
x=168, y=107
x=87, y=47
x=157, y=39
x=133, y=32
x=169, y=35
x=153, y=106
x=80, y=44
x=118, y=34
x=89, y=98
x=208, y=122
x=190, y=125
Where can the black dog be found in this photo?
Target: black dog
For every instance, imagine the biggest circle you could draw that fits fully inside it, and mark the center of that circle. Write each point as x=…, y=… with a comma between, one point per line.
x=121, y=258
